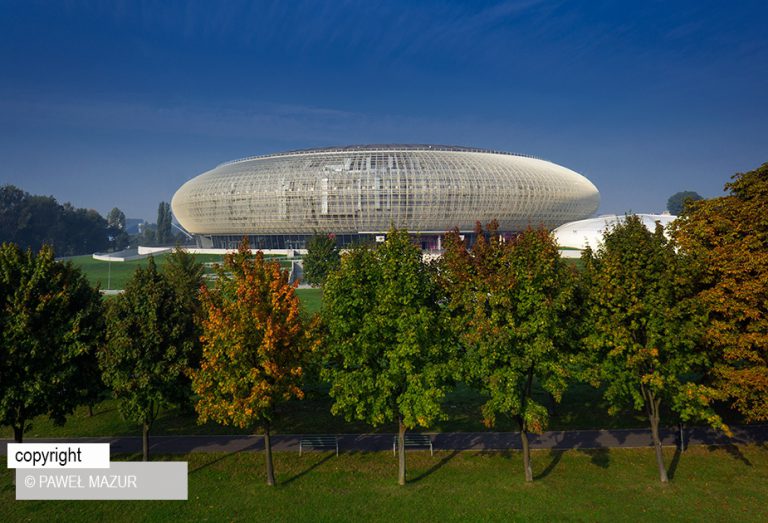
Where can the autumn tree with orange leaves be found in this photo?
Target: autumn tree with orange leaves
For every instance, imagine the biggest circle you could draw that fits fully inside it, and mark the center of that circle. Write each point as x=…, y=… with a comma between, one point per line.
x=728, y=237
x=255, y=346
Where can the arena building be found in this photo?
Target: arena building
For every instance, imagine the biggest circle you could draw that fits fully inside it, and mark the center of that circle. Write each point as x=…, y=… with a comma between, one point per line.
x=581, y=234
x=358, y=192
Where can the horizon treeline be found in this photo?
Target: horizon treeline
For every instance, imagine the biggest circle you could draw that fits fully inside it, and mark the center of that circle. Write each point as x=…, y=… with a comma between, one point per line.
x=32, y=221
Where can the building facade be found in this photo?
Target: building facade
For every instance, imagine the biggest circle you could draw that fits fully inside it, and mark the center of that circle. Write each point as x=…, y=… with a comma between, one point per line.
x=358, y=192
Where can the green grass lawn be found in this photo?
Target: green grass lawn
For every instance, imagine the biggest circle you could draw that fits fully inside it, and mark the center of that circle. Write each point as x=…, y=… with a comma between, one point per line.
x=311, y=299
x=109, y=275
x=114, y=275
x=708, y=484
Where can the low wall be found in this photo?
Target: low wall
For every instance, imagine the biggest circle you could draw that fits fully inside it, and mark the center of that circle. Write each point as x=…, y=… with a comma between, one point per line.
x=199, y=250
x=153, y=250
x=569, y=253
x=120, y=256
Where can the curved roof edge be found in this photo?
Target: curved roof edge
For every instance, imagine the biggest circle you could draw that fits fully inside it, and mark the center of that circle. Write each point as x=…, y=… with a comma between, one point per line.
x=589, y=232
x=379, y=147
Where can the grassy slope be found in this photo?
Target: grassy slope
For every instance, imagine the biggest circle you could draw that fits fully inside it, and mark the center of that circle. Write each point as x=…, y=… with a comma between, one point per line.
x=718, y=484
x=114, y=275
x=311, y=299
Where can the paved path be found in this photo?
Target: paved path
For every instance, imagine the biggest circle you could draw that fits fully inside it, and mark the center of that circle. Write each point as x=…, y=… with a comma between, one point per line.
x=572, y=439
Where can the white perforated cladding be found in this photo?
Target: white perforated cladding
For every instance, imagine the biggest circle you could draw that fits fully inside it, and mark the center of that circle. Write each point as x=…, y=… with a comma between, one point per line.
x=369, y=190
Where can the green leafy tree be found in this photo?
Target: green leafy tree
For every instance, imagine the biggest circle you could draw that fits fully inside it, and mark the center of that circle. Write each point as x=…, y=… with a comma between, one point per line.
x=677, y=203
x=33, y=221
x=255, y=345
x=116, y=223
x=51, y=324
x=185, y=275
x=388, y=356
x=163, y=234
x=728, y=236
x=147, y=234
x=322, y=257
x=647, y=327
x=116, y=219
x=150, y=339
x=514, y=304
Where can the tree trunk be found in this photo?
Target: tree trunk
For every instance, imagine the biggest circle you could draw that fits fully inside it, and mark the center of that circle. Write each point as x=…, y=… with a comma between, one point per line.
x=653, y=415
x=145, y=441
x=268, y=457
x=90, y=411
x=401, y=451
x=526, y=455
x=18, y=433
x=524, y=427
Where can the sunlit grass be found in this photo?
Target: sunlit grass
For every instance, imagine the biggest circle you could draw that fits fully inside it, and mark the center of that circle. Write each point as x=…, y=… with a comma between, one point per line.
x=708, y=484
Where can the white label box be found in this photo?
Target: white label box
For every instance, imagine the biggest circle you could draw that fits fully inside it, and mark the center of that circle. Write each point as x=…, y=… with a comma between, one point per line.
x=58, y=455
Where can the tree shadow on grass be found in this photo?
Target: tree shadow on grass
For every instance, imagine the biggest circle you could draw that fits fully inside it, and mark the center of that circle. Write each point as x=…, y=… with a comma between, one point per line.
x=674, y=463
x=212, y=462
x=251, y=447
x=309, y=469
x=600, y=457
x=96, y=413
x=555, y=457
x=733, y=450
x=434, y=468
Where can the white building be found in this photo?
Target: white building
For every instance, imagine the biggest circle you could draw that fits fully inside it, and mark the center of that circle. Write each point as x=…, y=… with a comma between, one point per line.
x=582, y=233
x=359, y=192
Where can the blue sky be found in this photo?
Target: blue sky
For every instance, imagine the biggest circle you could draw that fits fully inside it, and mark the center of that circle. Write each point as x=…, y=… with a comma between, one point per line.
x=118, y=104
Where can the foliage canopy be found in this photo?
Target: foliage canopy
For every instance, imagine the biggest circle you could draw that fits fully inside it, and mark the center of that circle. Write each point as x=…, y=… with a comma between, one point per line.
x=388, y=356
x=50, y=327
x=32, y=221
x=728, y=237
x=255, y=345
x=150, y=341
x=646, y=328
x=679, y=201
x=322, y=257
x=514, y=305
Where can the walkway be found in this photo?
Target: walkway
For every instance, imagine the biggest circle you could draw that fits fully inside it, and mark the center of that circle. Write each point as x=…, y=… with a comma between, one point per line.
x=477, y=441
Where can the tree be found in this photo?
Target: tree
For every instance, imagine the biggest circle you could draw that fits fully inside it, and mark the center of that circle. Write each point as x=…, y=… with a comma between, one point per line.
x=514, y=304
x=387, y=353
x=255, y=344
x=147, y=234
x=677, y=203
x=32, y=221
x=116, y=219
x=322, y=257
x=729, y=238
x=149, y=342
x=164, y=234
x=118, y=235
x=50, y=326
x=646, y=328
x=185, y=276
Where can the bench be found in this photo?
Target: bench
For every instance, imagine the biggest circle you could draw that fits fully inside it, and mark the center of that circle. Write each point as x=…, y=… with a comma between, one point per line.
x=414, y=440
x=319, y=443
